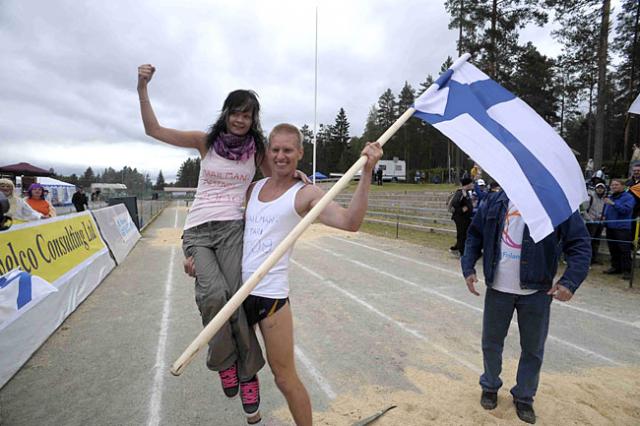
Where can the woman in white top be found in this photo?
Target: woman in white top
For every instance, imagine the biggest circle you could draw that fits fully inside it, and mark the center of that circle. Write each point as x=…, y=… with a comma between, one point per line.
x=275, y=206
x=213, y=231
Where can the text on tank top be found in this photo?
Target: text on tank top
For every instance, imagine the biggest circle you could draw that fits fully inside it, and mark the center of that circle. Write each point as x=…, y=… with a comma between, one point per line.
x=267, y=224
x=222, y=186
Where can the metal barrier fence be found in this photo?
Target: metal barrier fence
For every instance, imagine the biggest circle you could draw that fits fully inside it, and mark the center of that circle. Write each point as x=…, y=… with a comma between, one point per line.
x=147, y=209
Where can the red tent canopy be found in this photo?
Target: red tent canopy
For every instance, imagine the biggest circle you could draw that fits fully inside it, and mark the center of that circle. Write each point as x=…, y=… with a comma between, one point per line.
x=24, y=169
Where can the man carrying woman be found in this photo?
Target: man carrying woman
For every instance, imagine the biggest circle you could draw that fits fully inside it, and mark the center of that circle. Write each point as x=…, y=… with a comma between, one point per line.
x=275, y=205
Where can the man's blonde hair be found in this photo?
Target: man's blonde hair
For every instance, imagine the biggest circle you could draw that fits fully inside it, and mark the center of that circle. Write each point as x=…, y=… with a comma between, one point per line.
x=287, y=128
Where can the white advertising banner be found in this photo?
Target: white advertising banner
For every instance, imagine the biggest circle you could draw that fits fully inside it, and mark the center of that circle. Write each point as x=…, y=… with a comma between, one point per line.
x=117, y=229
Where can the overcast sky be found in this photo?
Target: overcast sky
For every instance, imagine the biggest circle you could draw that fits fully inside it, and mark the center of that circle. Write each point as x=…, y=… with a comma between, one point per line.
x=68, y=75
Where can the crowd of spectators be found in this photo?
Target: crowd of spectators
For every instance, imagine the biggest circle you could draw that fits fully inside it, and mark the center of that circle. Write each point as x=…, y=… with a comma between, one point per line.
x=33, y=206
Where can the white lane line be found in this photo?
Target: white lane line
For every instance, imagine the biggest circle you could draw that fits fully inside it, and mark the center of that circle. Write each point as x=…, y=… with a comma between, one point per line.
x=322, y=383
x=457, y=274
x=400, y=325
x=454, y=300
x=159, y=367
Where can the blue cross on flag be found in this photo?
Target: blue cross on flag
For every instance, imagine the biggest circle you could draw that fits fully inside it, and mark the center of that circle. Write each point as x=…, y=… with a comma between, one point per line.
x=509, y=140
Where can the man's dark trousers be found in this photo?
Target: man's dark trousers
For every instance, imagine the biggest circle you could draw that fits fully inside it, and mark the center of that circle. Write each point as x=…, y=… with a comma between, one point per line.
x=462, y=226
x=533, y=323
x=619, y=249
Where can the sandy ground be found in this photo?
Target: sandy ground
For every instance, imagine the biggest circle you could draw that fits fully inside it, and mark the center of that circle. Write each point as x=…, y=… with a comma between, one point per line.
x=378, y=322
x=601, y=396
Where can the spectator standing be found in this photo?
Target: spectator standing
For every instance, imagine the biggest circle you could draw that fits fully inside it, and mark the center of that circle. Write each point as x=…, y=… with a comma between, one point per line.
x=379, y=176
x=462, y=207
x=593, y=214
x=37, y=201
x=588, y=171
x=476, y=172
x=479, y=192
x=519, y=274
x=618, y=212
x=79, y=200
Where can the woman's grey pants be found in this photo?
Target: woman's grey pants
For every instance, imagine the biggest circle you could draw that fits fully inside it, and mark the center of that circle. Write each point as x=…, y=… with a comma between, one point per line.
x=217, y=251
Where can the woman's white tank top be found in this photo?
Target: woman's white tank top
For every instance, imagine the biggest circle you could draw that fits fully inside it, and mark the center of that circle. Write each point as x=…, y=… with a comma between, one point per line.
x=265, y=226
x=222, y=186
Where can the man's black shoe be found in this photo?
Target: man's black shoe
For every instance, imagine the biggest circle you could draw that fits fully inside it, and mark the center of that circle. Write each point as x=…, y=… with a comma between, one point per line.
x=626, y=276
x=612, y=271
x=525, y=412
x=489, y=400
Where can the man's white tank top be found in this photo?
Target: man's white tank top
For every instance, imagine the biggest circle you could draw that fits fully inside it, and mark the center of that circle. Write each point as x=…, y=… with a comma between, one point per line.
x=265, y=226
x=222, y=186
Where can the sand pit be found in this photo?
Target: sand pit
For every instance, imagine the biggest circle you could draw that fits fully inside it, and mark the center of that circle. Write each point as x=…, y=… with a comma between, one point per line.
x=450, y=395
x=166, y=237
x=171, y=236
x=600, y=396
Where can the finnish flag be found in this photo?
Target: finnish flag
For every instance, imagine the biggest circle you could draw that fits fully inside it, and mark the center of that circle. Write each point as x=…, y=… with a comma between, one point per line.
x=509, y=140
x=19, y=289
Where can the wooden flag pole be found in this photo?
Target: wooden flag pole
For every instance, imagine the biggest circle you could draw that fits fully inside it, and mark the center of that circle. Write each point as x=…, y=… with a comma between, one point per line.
x=236, y=300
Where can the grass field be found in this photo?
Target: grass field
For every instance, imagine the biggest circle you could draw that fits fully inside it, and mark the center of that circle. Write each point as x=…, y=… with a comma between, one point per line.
x=427, y=239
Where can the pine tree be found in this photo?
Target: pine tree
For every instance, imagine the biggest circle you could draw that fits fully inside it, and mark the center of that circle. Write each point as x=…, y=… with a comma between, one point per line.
x=533, y=81
x=338, y=140
x=323, y=136
x=160, y=183
x=387, y=112
x=578, y=65
x=371, y=129
x=603, y=60
x=627, y=46
x=490, y=30
x=446, y=64
x=87, y=178
x=425, y=84
x=306, y=165
x=188, y=173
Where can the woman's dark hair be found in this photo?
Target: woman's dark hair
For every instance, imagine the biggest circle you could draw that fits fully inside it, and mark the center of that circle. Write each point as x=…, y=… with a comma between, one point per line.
x=240, y=101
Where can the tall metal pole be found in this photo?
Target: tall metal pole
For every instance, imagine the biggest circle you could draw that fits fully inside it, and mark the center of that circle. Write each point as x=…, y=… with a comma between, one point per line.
x=315, y=104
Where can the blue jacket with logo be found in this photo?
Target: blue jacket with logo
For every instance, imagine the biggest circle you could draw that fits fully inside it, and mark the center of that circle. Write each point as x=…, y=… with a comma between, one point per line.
x=539, y=261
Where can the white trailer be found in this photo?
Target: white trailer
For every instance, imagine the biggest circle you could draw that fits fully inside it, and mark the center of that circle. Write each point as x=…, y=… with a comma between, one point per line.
x=393, y=170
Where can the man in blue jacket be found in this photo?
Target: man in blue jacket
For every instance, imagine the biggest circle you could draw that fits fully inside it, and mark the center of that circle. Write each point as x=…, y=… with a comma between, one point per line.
x=519, y=275
x=618, y=212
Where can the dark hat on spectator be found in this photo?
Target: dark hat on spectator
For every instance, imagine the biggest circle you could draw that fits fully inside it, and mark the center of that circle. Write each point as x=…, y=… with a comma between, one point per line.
x=465, y=181
x=494, y=184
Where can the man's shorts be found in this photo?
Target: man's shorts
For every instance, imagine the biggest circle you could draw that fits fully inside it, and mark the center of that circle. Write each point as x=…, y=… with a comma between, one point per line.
x=258, y=308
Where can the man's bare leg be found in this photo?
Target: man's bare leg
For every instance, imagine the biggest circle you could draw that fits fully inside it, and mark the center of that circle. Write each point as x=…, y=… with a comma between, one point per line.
x=277, y=331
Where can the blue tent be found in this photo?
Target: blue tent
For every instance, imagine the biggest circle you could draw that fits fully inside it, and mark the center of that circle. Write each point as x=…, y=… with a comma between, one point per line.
x=320, y=176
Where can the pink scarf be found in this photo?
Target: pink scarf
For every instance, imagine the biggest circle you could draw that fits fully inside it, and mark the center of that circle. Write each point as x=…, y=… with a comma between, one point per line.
x=236, y=148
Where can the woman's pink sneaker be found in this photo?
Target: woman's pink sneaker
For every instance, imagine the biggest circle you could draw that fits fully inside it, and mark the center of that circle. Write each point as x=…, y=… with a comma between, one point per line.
x=230, y=382
x=250, y=395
